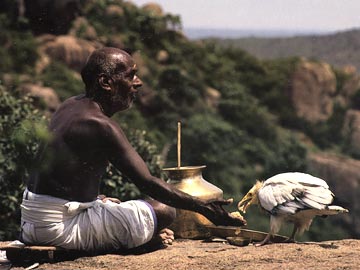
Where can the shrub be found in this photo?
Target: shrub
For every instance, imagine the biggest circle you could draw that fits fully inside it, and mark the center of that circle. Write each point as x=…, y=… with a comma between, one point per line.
x=63, y=80
x=18, y=50
x=22, y=130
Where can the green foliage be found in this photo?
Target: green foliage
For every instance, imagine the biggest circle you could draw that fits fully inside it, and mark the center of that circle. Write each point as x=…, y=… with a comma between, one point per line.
x=326, y=228
x=224, y=149
x=356, y=100
x=140, y=27
x=17, y=48
x=244, y=111
x=116, y=185
x=22, y=129
x=179, y=85
x=59, y=77
x=103, y=23
x=286, y=154
x=328, y=134
x=341, y=78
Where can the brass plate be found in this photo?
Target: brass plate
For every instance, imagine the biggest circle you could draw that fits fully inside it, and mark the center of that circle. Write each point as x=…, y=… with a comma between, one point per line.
x=8, y=246
x=229, y=231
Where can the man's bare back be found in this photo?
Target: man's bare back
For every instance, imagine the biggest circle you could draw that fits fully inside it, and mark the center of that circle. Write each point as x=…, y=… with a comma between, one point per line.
x=79, y=152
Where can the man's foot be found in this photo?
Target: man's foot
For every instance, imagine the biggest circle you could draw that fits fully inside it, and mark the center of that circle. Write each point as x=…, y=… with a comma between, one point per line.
x=165, y=236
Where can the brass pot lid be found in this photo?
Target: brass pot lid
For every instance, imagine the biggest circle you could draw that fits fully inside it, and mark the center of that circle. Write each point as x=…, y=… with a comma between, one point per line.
x=180, y=173
x=185, y=168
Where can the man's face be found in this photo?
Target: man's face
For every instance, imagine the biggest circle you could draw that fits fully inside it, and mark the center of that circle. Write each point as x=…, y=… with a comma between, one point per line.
x=125, y=84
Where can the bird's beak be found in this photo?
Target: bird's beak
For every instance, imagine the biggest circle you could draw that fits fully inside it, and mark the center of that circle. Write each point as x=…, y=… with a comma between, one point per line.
x=244, y=203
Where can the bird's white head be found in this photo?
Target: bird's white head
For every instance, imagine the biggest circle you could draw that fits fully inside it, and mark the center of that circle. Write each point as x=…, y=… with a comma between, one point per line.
x=251, y=197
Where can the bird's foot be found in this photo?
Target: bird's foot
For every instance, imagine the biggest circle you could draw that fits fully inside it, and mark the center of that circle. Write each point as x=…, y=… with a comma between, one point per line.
x=290, y=240
x=264, y=242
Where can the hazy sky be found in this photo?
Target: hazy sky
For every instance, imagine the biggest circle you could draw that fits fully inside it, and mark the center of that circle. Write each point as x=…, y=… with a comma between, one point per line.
x=326, y=15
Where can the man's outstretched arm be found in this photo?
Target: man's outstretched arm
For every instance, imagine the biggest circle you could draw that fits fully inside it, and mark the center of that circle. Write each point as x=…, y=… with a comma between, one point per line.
x=128, y=161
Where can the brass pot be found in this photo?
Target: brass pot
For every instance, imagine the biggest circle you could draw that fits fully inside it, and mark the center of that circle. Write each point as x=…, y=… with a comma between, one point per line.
x=189, y=179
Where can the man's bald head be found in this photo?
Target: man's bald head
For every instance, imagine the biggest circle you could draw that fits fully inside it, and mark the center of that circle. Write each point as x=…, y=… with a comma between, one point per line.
x=108, y=61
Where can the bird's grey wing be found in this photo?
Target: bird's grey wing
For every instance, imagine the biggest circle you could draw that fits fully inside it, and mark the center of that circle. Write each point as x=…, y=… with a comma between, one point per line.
x=290, y=193
x=316, y=197
x=311, y=191
x=274, y=196
x=297, y=178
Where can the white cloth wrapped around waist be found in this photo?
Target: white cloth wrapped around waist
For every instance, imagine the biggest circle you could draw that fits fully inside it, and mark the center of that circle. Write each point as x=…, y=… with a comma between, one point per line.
x=40, y=212
x=91, y=226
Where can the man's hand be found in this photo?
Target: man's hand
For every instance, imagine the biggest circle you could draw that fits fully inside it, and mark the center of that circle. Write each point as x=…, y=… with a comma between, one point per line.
x=215, y=212
x=104, y=199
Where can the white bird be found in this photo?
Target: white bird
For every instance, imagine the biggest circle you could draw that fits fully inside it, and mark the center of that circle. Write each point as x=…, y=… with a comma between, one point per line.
x=294, y=197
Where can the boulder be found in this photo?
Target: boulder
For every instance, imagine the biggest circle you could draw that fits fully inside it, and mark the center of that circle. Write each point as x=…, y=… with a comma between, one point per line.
x=70, y=50
x=42, y=95
x=154, y=9
x=342, y=175
x=82, y=28
x=312, y=87
x=116, y=41
x=143, y=70
x=212, y=97
x=162, y=56
x=114, y=11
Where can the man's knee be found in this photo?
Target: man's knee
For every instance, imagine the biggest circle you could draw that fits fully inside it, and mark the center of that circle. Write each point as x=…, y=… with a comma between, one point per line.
x=165, y=214
x=170, y=213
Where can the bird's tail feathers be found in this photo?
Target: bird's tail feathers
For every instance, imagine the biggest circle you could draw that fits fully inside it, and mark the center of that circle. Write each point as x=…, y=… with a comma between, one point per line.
x=334, y=209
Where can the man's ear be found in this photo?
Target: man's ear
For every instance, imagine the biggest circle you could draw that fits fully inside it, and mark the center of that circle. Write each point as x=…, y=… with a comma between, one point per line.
x=104, y=82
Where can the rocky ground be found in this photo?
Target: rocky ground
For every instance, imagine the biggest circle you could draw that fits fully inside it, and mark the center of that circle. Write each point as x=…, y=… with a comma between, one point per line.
x=198, y=254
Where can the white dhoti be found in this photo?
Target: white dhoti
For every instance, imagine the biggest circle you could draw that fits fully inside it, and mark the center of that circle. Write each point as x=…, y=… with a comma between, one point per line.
x=92, y=226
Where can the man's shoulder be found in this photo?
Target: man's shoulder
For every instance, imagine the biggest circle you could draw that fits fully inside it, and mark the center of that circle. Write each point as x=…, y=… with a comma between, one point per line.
x=83, y=110
x=89, y=130
x=98, y=123
x=79, y=116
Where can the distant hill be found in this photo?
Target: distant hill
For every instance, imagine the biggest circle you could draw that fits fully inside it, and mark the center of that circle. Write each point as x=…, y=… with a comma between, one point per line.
x=201, y=33
x=338, y=49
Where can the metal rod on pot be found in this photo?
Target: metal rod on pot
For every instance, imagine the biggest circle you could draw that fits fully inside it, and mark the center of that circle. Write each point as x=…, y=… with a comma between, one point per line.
x=179, y=145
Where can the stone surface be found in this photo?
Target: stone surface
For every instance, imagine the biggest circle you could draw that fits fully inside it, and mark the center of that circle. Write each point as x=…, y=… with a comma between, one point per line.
x=68, y=49
x=342, y=175
x=351, y=130
x=45, y=94
x=199, y=255
x=212, y=97
x=154, y=9
x=312, y=87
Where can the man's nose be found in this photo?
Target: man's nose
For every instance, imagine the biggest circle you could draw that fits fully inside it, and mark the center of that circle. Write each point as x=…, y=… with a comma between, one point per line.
x=137, y=82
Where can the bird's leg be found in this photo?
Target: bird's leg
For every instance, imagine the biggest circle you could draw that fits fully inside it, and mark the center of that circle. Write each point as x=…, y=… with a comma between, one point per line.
x=291, y=239
x=264, y=242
